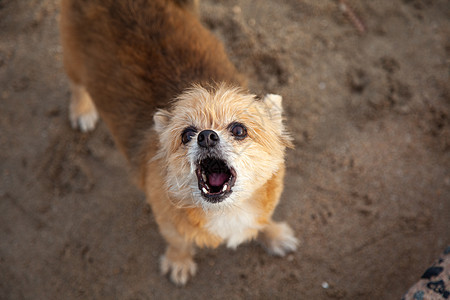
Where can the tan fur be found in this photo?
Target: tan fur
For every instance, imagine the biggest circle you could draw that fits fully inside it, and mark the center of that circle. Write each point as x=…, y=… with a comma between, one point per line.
x=83, y=114
x=150, y=70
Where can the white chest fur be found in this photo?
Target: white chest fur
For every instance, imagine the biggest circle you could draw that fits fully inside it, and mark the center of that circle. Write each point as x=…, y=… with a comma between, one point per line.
x=235, y=225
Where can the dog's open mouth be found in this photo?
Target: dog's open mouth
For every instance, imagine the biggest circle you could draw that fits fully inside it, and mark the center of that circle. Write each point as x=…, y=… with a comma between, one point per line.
x=215, y=179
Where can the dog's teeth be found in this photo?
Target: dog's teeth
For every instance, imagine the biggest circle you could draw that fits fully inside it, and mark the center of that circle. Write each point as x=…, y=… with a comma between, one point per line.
x=225, y=187
x=204, y=191
x=204, y=177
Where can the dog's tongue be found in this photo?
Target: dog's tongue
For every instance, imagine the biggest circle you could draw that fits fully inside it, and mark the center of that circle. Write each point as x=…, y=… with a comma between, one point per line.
x=217, y=179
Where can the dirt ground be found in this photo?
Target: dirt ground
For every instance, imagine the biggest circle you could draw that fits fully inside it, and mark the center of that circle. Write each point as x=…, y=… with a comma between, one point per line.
x=367, y=188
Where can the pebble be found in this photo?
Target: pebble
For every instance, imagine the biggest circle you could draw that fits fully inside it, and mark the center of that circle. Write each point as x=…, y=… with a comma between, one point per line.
x=237, y=9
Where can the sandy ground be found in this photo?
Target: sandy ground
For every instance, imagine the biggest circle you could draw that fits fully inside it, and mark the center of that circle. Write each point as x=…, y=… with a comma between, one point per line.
x=367, y=187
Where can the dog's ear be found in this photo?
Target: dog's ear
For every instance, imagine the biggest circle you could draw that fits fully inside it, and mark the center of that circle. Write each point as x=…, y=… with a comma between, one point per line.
x=275, y=109
x=161, y=119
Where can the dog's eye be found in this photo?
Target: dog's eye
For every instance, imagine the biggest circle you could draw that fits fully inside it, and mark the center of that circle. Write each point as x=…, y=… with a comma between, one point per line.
x=188, y=134
x=238, y=130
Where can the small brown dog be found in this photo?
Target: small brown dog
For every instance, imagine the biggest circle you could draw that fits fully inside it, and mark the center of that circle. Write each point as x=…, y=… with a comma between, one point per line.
x=209, y=156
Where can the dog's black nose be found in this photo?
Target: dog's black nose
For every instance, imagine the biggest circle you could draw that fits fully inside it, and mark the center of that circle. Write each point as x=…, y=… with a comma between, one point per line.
x=207, y=139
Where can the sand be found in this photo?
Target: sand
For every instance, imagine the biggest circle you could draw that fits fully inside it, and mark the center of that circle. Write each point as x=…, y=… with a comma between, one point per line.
x=367, y=186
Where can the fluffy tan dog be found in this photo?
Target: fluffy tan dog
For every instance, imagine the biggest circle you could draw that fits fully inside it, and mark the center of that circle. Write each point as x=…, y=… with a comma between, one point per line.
x=209, y=156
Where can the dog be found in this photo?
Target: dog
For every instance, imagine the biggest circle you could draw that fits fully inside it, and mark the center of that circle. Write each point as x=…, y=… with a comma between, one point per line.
x=208, y=154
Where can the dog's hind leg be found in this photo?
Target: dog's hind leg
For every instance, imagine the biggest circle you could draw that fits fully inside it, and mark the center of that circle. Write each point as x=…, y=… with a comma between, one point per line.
x=82, y=112
x=193, y=5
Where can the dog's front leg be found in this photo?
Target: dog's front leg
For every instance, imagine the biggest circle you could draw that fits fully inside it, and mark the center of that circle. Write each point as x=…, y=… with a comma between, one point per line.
x=178, y=259
x=278, y=238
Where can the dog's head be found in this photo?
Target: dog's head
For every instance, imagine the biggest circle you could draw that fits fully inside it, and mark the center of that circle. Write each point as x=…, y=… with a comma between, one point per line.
x=220, y=145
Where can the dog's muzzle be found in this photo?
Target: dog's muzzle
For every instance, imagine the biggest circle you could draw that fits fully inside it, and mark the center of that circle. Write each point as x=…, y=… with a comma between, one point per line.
x=215, y=179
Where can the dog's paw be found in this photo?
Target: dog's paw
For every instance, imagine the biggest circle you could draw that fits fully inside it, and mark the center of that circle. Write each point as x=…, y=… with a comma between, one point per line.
x=82, y=112
x=84, y=121
x=180, y=270
x=279, y=239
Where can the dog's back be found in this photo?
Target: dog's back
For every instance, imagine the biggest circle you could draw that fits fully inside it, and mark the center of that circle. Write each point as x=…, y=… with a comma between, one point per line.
x=135, y=56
